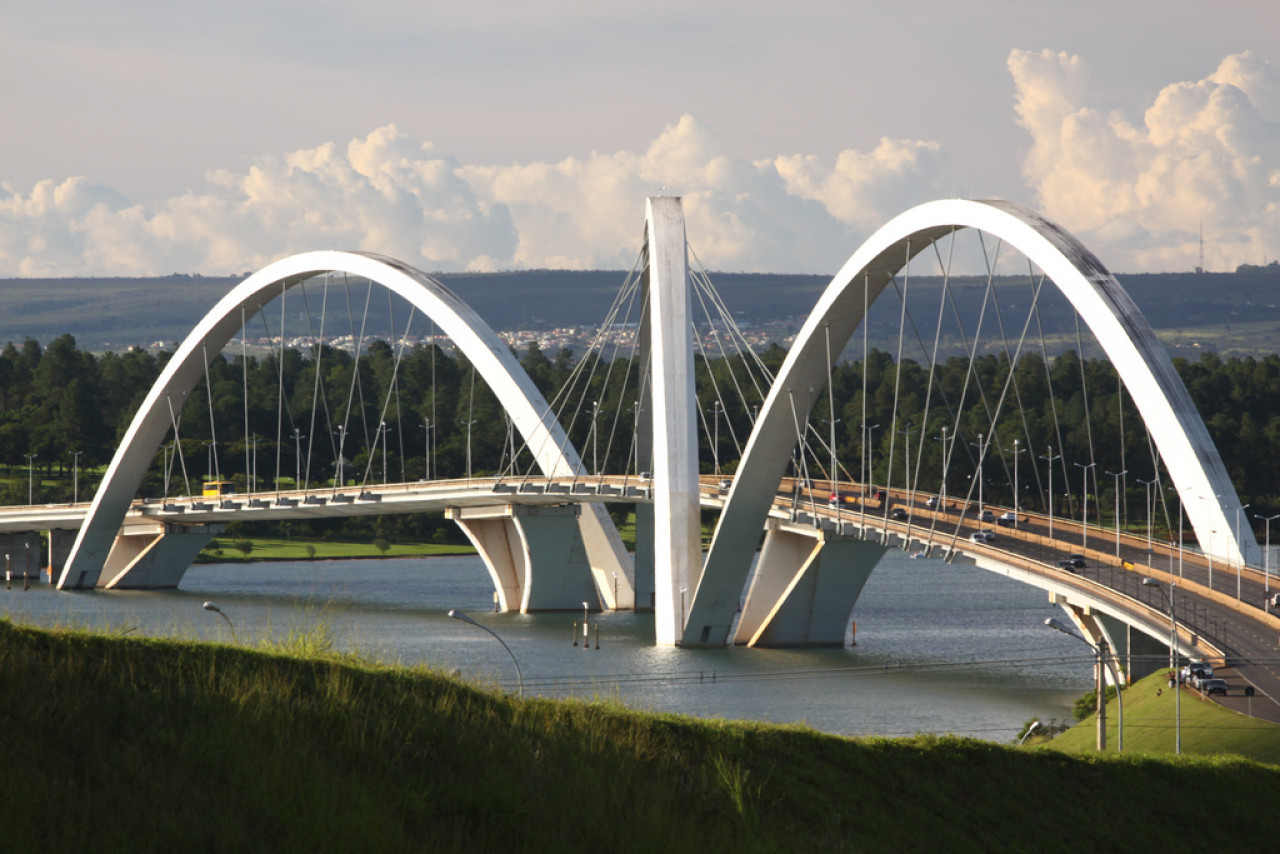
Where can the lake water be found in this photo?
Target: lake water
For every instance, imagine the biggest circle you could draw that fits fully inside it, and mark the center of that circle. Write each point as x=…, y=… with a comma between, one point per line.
x=940, y=648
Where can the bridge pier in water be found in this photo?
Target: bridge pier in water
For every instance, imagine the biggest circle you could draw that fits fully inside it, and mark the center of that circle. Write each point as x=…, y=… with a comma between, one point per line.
x=150, y=559
x=536, y=557
x=804, y=588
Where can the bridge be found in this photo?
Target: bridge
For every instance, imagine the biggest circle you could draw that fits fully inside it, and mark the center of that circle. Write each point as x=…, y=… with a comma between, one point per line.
x=797, y=532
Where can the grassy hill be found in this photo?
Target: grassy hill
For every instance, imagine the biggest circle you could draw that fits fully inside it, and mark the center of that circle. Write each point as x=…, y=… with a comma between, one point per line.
x=1207, y=728
x=114, y=744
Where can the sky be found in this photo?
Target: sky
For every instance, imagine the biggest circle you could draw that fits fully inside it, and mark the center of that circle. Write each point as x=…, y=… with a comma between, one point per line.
x=140, y=137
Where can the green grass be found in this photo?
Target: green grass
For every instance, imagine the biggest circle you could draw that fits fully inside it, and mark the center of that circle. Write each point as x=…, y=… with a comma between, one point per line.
x=1207, y=728
x=123, y=744
x=274, y=549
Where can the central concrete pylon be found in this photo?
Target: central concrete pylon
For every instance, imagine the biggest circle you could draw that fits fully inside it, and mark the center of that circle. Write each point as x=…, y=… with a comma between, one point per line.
x=677, y=534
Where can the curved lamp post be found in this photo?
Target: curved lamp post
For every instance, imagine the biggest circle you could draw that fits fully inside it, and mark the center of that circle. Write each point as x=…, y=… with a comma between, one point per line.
x=1103, y=659
x=209, y=606
x=458, y=615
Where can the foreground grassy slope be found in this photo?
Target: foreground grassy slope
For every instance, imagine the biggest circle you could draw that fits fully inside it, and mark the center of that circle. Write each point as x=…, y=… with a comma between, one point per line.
x=112, y=744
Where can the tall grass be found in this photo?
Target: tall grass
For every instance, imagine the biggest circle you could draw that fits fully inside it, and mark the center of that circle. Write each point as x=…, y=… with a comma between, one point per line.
x=134, y=744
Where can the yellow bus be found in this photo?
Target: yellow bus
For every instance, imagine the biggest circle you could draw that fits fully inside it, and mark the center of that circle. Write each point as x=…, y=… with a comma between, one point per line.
x=215, y=488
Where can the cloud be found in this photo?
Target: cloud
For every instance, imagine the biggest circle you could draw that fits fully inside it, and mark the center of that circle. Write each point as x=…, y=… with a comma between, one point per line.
x=1136, y=191
x=393, y=194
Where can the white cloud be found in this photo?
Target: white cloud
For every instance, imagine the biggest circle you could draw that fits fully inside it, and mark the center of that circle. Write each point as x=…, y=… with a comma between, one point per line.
x=1137, y=191
x=390, y=193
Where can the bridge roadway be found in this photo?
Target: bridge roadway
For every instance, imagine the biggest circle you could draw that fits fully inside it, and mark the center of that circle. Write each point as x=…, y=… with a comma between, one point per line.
x=1226, y=620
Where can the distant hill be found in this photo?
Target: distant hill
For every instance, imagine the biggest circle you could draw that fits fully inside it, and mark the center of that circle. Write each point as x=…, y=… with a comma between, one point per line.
x=1231, y=313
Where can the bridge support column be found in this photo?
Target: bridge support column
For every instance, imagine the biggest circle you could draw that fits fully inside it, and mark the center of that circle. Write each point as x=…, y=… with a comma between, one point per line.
x=60, y=543
x=1096, y=626
x=154, y=560
x=535, y=555
x=804, y=588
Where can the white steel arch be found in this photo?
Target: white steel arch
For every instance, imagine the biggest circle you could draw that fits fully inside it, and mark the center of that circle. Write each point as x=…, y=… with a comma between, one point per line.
x=1175, y=425
x=490, y=356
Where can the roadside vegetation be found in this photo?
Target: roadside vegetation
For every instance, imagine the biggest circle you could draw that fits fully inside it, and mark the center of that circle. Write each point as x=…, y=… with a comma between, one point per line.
x=120, y=743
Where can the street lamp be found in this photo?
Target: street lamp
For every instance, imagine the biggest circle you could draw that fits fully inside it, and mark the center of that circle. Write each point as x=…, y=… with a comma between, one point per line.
x=342, y=443
x=595, y=438
x=1208, y=553
x=1101, y=651
x=382, y=428
x=1032, y=728
x=30, y=478
x=1240, y=562
x=75, y=476
x=868, y=437
x=716, y=409
x=426, y=448
x=469, y=423
x=1266, y=554
x=1050, y=457
x=906, y=456
x=1116, y=505
x=1146, y=485
x=1174, y=490
x=297, y=458
x=835, y=463
x=946, y=462
x=458, y=615
x=1173, y=661
x=1084, y=525
x=209, y=606
x=981, y=456
x=1015, y=450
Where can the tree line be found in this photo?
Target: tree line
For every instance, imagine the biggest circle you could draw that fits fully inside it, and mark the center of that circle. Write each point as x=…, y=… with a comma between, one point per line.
x=289, y=417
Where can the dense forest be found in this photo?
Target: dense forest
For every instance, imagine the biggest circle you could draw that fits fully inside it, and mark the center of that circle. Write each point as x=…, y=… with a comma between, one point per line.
x=63, y=410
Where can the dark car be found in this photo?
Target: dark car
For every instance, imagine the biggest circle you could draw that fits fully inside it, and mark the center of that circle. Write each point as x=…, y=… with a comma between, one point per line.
x=1076, y=561
x=899, y=514
x=1067, y=565
x=1213, y=686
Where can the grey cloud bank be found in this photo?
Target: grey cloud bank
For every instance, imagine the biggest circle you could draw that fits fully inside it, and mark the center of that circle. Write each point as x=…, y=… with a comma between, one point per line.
x=1135, y=184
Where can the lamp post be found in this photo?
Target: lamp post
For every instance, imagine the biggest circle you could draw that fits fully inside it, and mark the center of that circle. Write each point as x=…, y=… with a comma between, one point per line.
x=1084, y=524
x=1116, y=505
x=716, y=409
x=1173, y=661
x=382, y=428
x=30, y=478
x=1146, y=485
x=426, y=448
x=835, y=463
x=1178, y=495
x=1208, y=552
x=342, y=442
x=978, y=474
x=209, y=606
x=1266, y=554
x=1050, y=457
x=595, y=439
x=1030, y=729
x=469, y=423
x=1101, y=651
x=1239, y=563
x=1015, y=450
x=75, y=476
x=946, y=463
x=458, y=615
x=906, y=456
x=297, y=458
x=868, y=437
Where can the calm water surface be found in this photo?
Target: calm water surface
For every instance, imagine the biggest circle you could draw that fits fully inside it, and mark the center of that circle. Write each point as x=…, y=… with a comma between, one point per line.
x=940, y=648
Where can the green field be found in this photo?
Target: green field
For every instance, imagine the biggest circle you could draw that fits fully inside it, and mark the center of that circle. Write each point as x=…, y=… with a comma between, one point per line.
x=124, y=744
x=223, y=550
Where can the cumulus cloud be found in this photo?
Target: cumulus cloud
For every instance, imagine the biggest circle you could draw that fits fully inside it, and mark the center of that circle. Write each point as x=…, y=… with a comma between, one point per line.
x=1137, y=189
x=397, y=195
